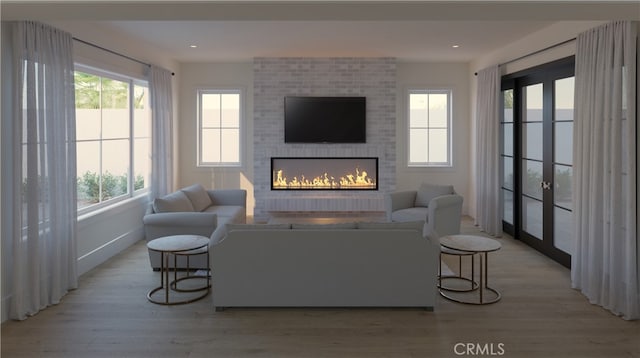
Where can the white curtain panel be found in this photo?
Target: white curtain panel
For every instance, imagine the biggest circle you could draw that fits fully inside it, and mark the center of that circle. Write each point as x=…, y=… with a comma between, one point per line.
x=162, y=131
x=43, y=233
x=488, y=203
x=605, y=260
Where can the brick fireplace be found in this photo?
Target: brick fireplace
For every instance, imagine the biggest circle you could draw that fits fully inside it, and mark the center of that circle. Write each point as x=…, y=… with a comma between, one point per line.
x=276, y=78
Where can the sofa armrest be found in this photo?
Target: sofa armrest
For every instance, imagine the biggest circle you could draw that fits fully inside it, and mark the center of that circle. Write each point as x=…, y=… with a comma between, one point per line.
x=179, y=223
x=236, y=197
x=445, y=215
x=399, y=200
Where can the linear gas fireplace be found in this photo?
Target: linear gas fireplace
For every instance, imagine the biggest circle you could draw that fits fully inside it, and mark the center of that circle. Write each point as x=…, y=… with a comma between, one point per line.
x=324, y=173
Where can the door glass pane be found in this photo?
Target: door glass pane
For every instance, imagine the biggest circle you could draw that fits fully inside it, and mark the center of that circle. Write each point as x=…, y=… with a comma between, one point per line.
x=507, y=201
x=507, y=138
x=564, y=89
x=508, y=105
x=533, y=103
x=563, y=138
x=563, y=230
x=532, y=216
x=507, y=163
x=532, y=140
x=562, y=182
x=532, y=178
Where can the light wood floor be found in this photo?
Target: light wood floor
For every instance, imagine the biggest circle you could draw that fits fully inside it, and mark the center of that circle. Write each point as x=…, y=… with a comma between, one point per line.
x=539, y=316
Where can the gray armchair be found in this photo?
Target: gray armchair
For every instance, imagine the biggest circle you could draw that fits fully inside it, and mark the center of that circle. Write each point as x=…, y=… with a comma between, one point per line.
x=438, y=205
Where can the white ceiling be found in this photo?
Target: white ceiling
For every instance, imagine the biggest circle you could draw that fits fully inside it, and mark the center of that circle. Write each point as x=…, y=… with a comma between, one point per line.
x=242, y=29
x=405, y=40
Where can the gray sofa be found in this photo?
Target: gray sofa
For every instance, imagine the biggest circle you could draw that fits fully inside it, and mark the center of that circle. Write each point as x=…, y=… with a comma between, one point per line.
x=331, y=265
x=193, y=210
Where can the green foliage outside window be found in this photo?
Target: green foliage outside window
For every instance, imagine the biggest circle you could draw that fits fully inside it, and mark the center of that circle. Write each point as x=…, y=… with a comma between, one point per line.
x=95, y=92
x=112, y=186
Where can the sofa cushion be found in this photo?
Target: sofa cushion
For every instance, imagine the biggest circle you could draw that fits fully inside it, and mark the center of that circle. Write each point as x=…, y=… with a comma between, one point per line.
x=410, y=214
x=198, y=196
x=324, y=226
x=413, y=225
x=430, y=191
x=174, y=202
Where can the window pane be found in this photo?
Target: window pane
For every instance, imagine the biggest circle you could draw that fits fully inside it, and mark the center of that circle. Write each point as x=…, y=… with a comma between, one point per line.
x=115, y=160
x=88, y=123
x=418, y=139
x=87, y=88
x=210, y=108
x=210, y=145
x=438, y=106
x=438, y=146
x=115, y=94
x=418, y=103
x=115, y=123
x=562, y=191
x=230, y=146
x=141, y=113
x=142, y=163
x=231, y=110
x=88, y=169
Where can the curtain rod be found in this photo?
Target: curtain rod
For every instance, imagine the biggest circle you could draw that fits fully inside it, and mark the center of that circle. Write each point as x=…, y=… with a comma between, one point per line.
x=535, y=52
x=115, y=53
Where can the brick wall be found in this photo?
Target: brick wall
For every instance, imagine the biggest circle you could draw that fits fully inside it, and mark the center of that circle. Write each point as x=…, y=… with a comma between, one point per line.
x=275, y=78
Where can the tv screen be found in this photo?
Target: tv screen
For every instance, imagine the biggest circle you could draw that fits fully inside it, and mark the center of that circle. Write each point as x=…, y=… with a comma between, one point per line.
x=325, y=120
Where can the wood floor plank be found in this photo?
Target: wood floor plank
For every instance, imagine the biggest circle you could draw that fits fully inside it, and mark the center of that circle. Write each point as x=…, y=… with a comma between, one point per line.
x=539, y=315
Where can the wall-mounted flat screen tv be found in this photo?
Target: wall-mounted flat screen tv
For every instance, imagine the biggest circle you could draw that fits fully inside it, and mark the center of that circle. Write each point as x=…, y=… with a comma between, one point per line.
x=325, y=120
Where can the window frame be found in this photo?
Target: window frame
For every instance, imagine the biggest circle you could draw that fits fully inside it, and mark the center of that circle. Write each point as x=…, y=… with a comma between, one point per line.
x=430, y=90
x=240, y=91
x=132, y=82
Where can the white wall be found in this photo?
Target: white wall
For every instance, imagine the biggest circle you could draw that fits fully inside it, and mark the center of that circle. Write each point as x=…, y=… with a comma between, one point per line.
x=452, y=76
x=196, y=76
x=551, y=35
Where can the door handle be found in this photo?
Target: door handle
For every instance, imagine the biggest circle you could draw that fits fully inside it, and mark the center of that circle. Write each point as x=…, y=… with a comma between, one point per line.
x=545, y=185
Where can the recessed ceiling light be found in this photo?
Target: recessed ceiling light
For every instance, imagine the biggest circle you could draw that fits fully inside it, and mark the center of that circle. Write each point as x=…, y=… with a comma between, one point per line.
x=455, y=46
x=193, y=46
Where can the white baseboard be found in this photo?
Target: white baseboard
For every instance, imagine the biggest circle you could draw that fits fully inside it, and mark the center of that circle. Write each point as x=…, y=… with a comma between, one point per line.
x=108, y=250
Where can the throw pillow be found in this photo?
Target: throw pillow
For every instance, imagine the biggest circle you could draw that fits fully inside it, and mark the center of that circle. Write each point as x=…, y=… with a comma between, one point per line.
x=198, y=196
x=430, y=191
x=174, y=202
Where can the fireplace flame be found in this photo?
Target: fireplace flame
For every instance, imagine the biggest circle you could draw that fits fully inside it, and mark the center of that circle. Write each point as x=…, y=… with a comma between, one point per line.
x=359, y=180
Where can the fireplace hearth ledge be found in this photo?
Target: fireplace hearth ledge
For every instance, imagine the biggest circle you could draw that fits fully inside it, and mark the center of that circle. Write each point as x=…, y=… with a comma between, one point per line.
x=338, y=203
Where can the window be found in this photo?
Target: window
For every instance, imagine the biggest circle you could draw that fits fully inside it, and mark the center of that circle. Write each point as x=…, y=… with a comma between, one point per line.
x=113, y=133
x=429, y=128
x=219, y=118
